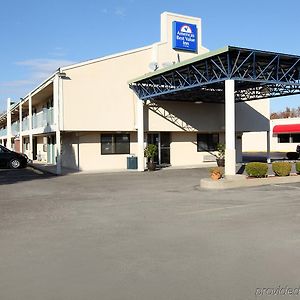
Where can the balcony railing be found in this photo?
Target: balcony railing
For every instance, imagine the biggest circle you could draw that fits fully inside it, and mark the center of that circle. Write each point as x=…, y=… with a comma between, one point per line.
x=43, y=118
x=3, y=132
x=15, y=128
x=25, y=124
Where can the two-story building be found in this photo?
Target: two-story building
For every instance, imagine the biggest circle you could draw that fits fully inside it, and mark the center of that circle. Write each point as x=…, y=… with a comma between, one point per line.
x=84, y=116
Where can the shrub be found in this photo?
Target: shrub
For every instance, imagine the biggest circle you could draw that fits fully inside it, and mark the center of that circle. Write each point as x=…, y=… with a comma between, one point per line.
x=281, y=168
x=257, y=169
x=150, y=151
x=292, y=155
x=298, y=167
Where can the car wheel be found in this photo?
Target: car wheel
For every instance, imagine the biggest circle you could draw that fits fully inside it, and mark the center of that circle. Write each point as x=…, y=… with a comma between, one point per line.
x=15, y=163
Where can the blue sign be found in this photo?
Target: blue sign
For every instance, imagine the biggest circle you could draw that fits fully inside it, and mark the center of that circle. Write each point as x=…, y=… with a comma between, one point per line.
x=185, y=36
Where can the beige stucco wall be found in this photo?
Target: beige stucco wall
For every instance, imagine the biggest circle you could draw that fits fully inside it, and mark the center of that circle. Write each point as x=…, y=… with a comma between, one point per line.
x=82, y=150
x=96, y=96
x=183, y=150
x=257, y=141
x=253, y=115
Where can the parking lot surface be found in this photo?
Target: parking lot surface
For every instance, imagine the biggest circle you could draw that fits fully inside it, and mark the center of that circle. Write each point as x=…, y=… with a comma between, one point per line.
x=144, y=236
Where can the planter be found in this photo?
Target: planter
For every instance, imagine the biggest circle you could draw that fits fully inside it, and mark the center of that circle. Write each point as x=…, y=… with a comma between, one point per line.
x=220, y=162
x=151, y=166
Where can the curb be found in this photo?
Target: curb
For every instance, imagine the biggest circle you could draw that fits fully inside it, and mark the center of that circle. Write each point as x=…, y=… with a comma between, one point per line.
x=241, y=182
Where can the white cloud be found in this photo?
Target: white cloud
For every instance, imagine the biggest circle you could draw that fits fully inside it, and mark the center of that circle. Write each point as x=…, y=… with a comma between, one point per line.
x=119, y=11
x=40, y=69
x=58, y=51
x=37, y=70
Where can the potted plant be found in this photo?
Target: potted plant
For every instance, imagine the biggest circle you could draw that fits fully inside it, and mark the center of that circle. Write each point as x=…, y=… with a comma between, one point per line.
x=216, y=173
x=150, y=152
x=220, y=156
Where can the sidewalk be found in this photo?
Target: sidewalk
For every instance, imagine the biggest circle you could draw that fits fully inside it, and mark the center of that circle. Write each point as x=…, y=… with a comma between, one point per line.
x=50, y=169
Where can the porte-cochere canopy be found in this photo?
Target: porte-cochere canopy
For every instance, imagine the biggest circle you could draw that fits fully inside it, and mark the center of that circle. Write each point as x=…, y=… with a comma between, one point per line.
x=257, y=74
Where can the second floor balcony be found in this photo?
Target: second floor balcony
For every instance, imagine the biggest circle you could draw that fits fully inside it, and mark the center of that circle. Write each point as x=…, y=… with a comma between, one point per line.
x=43, y=118
x=3, y=132
x=15, y=128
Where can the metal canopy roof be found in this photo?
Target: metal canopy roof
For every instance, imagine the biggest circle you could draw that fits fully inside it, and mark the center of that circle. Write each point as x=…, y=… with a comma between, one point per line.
x=257, y=74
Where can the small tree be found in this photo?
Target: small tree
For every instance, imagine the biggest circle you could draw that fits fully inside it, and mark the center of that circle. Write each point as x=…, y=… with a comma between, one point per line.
x=150, y=152
x=221, y=151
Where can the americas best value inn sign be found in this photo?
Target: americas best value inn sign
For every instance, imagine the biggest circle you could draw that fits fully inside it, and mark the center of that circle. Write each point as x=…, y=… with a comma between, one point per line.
x=184, y=36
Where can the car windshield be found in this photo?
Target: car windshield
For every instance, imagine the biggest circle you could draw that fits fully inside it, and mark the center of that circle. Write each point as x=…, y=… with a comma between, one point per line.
x=3, y=149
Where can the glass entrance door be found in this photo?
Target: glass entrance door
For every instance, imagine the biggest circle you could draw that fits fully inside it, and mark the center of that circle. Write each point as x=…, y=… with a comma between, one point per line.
x=153, y=138
x=165, y=140
x=162, y=140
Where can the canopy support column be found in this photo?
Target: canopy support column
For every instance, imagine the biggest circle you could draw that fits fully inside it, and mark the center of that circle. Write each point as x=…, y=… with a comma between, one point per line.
x=30, y=128
x=268, y=146
x=8, y=124
x=21, y=127
x=56, y=106
x=230, y=151
x=140, y=133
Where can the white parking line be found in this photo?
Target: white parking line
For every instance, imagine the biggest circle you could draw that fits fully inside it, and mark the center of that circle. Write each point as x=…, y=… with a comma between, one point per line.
x=215, y=209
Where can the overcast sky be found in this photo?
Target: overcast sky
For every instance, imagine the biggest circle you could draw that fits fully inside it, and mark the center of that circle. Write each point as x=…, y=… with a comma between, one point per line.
x=37, y=37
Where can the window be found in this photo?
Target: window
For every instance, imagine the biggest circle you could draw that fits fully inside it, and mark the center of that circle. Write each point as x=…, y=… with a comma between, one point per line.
x=115, y=144
x=283, y=138
x=207, y=141
x=296, y=137
x=289, y=138
x=3, y=150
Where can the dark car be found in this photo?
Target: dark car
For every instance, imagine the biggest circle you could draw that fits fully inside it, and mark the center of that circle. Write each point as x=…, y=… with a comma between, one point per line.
x=12, y=159
x=298, y=149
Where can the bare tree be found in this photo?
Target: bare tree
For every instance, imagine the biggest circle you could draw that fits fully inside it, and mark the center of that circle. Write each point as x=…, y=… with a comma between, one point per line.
x=287, y=113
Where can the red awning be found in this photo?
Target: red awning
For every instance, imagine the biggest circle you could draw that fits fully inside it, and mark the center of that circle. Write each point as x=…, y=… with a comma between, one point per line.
x=291, y=128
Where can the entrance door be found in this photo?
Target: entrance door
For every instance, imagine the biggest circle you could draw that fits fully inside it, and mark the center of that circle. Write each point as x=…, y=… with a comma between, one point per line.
x=162, y=141
x=165, y=140
x=51, y=149
x=34, y=148
x=153, y=138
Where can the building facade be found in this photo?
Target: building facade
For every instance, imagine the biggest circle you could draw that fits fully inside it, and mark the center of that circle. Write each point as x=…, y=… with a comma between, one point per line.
x=284, y=137
x=84, y=116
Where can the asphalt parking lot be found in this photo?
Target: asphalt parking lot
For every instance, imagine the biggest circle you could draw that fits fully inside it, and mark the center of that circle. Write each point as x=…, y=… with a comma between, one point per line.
x=145, y=236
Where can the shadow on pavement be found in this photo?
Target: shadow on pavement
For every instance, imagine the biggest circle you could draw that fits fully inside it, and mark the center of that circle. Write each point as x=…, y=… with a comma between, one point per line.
x=10, y=176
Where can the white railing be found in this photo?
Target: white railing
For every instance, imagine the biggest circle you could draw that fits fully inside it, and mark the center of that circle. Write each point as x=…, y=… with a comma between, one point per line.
x=15, y=128
x=43, y=118
x=3, y=132
x=25, y=124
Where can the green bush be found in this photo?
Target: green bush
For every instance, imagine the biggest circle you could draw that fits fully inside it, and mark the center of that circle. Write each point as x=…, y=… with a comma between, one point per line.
x=257, y=169
x=298, y=167
x=281, y=168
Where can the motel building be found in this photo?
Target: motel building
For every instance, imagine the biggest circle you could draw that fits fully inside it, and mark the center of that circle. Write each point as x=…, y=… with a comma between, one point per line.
x=175, y=93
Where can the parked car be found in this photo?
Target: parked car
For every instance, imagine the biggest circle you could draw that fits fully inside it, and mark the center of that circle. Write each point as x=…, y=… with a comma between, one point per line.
x=298, y=148
x=12, y=159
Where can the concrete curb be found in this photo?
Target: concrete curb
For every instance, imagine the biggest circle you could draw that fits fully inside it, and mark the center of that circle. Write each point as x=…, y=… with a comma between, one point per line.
x=240, y=181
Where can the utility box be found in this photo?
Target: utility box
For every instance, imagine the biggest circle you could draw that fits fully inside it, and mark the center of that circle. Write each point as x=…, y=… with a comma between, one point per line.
x=132, y=163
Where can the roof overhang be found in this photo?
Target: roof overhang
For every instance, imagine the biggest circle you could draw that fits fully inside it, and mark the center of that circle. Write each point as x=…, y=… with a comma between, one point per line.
x=257, y=74
x=287, y=128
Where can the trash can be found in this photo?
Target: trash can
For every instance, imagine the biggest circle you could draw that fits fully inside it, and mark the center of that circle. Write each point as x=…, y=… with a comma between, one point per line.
x=131, y=162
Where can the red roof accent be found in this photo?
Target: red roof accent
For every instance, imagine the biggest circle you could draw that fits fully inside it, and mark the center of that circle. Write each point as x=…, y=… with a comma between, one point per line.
x=291, y=128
